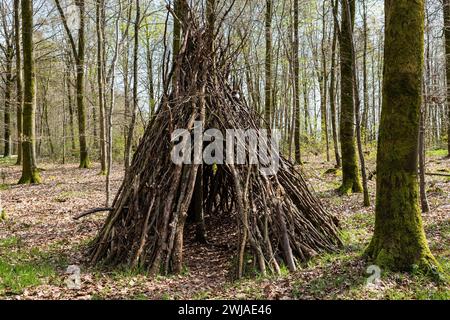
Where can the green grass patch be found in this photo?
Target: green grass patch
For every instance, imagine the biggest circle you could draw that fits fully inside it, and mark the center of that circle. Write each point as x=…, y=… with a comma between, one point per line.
x=8, y=161
x=21, y=267
x=437, y=153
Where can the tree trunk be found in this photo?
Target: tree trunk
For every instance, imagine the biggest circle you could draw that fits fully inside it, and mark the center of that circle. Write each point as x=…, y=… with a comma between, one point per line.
x=447, y=64
x=19, y=88
x=357, y=102
x=296, y=120
x=135, y=86
x=399, y=241
x=268, y=65
x=323, y=85
x=30, y=173
x=8, y=97
x=84, y=154
x=365, y=114
x=350, y=175
x=101, y=81
x=332, y=91
x=71, y=112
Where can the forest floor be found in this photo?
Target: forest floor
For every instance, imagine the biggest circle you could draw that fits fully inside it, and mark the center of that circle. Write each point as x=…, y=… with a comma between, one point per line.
x=39, y=239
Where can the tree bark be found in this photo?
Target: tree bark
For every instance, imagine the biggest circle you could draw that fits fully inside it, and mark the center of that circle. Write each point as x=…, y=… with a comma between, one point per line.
x=19, y=84
x=99, y=6
x=84, y=154
x=296, y=121
x=447, y=64
x=332, y=90
x=350, y=175
x=135, y=86
x=30, y=173
x=268, y=65
x=399, y=241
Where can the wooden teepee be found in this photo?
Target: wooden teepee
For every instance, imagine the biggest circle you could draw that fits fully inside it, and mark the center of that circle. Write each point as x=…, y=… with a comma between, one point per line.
x=279, y=220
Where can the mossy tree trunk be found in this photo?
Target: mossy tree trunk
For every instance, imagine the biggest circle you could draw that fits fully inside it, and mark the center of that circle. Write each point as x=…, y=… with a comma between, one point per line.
x=19, y=88
x=350, y=175
x=399, y=241
x=30, y=173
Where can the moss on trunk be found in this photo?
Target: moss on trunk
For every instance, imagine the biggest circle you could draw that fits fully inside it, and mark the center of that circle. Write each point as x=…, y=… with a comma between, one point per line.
x=350, y=173
x=30, y=173
x=399, y=241
x=19, y=90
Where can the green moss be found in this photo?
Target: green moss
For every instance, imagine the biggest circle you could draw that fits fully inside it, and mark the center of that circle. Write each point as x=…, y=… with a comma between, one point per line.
x=31, y=176
x=350, y=174
x=85, y=162
x=399, y=241
x=437, y=153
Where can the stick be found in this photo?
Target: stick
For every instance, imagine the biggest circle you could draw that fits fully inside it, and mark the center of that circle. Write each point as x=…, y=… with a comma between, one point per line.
x=92, y=211
x=438, y=174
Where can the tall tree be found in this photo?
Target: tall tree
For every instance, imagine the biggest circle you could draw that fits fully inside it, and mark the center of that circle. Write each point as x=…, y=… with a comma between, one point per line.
x=100, y=29
x=30, y=173
x=333, y=87
x=399, y=240
x=365, y=114
x=447, y=65
x=295, y=57
x=350, y=175
x=8, y=51
x=19, y=88
x=268, y=90
x=79, y=57
x=137, y=23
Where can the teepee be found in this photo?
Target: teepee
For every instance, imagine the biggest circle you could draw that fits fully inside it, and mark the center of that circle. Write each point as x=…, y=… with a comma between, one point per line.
x=279, y=221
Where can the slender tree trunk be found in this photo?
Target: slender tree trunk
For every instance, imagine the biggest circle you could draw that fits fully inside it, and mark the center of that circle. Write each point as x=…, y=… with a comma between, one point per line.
x=268, y=65
x=350, y=175
x=422, y=185
x=84, y=154
x=112, y=102
x=332, y=92
x=357, y=103
x=135, y=86
x=323, y=84
x=151, y=87
x=399, y=241
x=447, y=64
x=296, y=121
x=365, y=115
x=422, y=129
x=71, y=112
x=8, y=97
x=126, y=80
x=19, y=88
x=100, y=81
x=30, y=173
